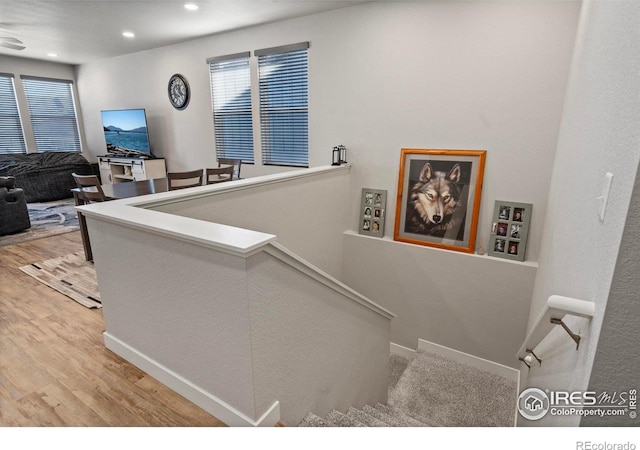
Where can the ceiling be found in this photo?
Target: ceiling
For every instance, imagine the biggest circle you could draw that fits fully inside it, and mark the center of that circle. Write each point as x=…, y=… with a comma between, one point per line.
x=80, y=31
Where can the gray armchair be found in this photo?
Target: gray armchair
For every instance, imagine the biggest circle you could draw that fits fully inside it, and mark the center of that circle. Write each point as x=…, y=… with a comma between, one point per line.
x=14, y=215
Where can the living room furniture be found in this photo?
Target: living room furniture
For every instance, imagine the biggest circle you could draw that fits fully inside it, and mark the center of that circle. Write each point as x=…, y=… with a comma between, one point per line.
x=117, y=169
x=89, y=187
x=236, y=163
x=14, y=215
x=182, y=180
x=112, y=192
x=44, y=176
x=218, y=175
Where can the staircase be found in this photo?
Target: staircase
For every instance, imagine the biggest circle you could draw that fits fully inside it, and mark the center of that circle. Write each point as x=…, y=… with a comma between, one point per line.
x=430, y=390
x=369, y=416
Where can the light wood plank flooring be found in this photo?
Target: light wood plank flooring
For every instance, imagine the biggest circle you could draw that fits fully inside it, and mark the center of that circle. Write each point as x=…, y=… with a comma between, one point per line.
x=54, y=368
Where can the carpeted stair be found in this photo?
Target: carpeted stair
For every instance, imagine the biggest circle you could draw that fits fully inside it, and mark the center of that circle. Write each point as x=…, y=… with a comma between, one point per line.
x=430, y=390
x=369, y=416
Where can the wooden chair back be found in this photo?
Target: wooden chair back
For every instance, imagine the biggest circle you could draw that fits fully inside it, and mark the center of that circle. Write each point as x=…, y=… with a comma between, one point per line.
x=218, y=175
x=236, y=163
x=90, y=188
x=182, y=180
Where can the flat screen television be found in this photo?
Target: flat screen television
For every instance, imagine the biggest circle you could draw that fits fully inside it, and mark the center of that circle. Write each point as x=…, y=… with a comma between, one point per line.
x=125, y=132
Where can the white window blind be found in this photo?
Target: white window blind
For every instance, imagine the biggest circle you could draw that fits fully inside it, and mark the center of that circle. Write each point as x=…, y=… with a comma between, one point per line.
x=231, y=103
x=53, y=114
x=283, y=85
x=11, y=134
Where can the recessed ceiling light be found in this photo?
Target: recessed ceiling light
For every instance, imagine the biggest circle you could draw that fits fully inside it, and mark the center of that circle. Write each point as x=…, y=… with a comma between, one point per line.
x=128, y=34
x=53, y=55
x=191, y=6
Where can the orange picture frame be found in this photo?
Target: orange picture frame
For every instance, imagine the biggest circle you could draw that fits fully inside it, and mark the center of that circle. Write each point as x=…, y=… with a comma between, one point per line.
x=438, y=198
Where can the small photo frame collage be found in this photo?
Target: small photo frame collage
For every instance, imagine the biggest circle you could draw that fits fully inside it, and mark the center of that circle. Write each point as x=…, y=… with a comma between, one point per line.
x=509, y=230
x=372, y=205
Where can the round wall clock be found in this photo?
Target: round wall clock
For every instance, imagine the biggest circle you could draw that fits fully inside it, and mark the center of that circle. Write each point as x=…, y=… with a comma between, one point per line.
x=178, y=91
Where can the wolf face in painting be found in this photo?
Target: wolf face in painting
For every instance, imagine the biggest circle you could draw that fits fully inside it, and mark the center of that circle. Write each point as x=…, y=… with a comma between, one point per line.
x=433, y=200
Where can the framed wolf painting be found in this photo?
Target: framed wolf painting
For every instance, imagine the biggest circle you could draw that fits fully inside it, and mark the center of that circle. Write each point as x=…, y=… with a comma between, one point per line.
x=439, y=195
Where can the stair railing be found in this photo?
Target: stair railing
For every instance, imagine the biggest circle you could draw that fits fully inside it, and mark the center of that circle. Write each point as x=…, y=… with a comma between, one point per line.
x=555, y=309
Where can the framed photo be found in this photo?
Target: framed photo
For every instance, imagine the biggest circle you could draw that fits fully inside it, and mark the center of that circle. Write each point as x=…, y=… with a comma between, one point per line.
x=372, y=207
x=439, y=195
x=509, y=230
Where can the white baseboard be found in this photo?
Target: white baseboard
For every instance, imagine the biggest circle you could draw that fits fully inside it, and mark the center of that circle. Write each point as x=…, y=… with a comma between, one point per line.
x=210, y=403
x=461, y=357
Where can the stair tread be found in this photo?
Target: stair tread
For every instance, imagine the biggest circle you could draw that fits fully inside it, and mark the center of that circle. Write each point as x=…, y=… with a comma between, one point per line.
x=381, y=415
x=365, y=418
x=342, y=420
x=311, y=420
x=401, y=415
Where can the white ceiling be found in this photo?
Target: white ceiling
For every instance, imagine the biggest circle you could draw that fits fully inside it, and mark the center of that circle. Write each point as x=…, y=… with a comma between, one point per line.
x=80, y=31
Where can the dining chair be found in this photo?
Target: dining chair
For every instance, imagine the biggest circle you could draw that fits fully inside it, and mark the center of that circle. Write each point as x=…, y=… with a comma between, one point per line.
x=181, y=180
x=89, y=187
x=218, y=175
x=236, y=163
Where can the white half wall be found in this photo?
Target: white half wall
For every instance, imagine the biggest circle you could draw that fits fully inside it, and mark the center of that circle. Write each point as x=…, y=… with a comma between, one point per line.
x=474, y=304
x=599, y=134
x=308, y=214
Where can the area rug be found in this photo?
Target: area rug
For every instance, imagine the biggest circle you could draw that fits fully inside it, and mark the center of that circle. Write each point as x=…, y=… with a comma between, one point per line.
x=70, y=275
x=47, y=219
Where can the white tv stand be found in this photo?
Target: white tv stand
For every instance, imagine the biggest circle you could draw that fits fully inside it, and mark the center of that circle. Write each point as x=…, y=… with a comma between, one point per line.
x=116, y=169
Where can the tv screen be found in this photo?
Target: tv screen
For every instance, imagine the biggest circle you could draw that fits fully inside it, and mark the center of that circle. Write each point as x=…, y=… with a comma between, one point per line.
x=125, y=131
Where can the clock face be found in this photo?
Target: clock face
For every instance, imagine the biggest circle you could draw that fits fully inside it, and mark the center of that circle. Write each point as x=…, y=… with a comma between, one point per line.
x=178, y=91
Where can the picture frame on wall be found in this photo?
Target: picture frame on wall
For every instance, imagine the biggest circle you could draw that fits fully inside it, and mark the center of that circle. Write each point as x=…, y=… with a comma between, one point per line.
x=372, y=212
x=438, y=200
x=510, y=229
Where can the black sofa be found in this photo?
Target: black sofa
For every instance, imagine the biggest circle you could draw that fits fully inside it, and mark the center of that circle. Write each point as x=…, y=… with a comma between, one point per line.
x=45, y=176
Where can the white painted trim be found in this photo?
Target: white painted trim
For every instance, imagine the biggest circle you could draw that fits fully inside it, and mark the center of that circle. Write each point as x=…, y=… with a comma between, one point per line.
x=405, y=352
x=207, y=401
x=390, y=240
x=283, y=254
x=470, y=360
x=138, y=213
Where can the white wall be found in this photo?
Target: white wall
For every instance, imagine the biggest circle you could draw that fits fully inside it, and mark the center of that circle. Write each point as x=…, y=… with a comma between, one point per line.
x=615, y=366
x=308, y=214
x=383, y=76
x=475, y=304
x=599, y=134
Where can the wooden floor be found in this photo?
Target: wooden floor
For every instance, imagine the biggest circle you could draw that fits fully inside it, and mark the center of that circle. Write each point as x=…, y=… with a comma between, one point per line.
x=54, y=368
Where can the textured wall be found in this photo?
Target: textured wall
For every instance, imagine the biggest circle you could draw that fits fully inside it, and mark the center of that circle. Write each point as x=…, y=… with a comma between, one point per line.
x=615, y=367
x=308, y=214
x=599, y=134
x=313, y=350
x=475, y=304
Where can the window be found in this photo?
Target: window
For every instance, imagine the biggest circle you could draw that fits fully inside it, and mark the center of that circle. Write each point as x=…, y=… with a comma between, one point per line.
x=231, y=103
x=11, y=134
x=53, y=114
x=283, y=86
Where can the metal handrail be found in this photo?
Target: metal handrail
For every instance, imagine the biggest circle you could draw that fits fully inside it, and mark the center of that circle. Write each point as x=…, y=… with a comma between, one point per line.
x=555, y=309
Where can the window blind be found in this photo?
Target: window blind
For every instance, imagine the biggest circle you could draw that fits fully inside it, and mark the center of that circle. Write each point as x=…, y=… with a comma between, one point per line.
x=53, y=114
x=231, y=104
x=283, y=86
x=11, y=134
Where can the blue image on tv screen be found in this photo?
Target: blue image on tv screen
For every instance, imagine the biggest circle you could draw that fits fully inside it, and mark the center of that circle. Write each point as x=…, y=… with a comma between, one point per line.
x=126, y=130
